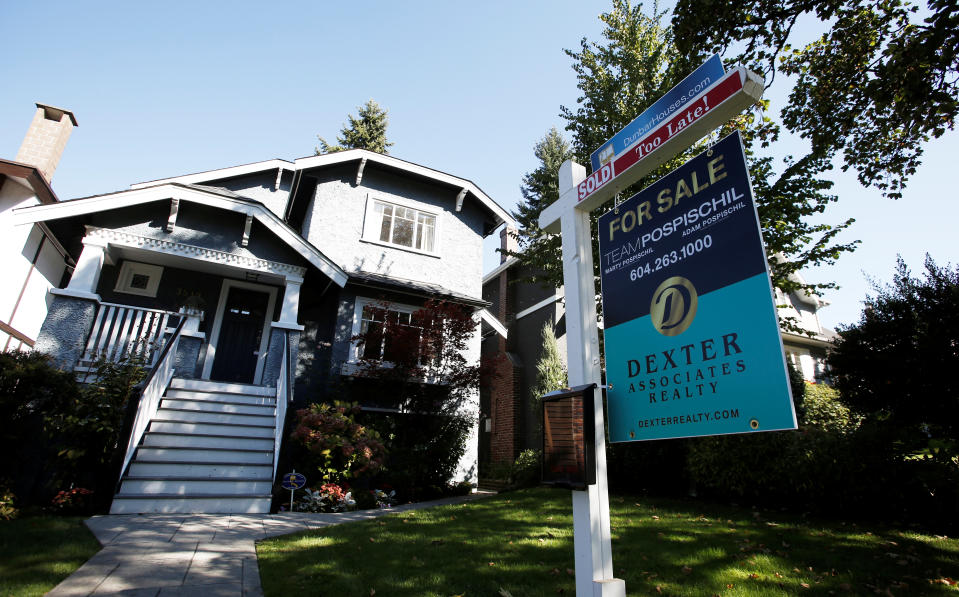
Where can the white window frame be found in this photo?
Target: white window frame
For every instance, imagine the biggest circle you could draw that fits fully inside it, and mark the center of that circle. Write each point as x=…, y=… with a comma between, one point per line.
x=359, y=305
x=129, y=269
x=372, y=225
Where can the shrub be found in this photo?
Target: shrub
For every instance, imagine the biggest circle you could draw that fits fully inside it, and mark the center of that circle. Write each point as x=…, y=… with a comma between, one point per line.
x=72, y=501
x=60, y=433
x=90, y=431
x=8, y=510
x=527, y=468
x=340, y=447
x=330, y=497
x=823, y=409
x=30, y=387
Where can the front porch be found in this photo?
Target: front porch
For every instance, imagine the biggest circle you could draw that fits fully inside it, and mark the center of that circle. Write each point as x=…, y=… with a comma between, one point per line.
x=219, y=334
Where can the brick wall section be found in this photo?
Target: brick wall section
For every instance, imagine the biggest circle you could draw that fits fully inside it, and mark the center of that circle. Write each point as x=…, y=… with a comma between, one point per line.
x=46, y=139
x=505, y=391
x=504, y=435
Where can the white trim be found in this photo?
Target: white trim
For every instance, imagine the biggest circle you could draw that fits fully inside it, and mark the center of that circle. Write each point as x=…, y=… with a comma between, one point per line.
x=133, y=268
x=386, y=160
x=79, y=207
x=76, y=294
x=494, y=323
x=221, y=173
x=500, y=269
x=120, y=238
x=287, y=326
x=543, y=303
x=218, y=322
x=339, y=157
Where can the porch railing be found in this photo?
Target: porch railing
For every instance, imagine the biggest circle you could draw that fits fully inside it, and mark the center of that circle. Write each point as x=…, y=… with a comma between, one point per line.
x=121, y=330
x=156, y=384
x=283, y=397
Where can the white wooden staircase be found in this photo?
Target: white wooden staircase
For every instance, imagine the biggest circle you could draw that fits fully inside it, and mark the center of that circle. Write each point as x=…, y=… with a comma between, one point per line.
x=209, y=448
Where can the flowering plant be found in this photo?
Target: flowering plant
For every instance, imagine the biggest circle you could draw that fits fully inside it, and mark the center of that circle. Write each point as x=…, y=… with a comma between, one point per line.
x=384, y=499
x=342, y=447
x=330, y=497
x=71, y=500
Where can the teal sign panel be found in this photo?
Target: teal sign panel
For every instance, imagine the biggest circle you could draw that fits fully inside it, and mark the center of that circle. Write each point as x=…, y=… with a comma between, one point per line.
x=692, y=339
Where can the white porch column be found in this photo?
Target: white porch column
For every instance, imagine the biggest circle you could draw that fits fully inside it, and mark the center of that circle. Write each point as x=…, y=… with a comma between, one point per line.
x=291, y=300
x=86, y=274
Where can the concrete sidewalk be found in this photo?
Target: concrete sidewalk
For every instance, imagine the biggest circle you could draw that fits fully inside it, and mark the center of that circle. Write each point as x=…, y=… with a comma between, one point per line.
x=208, y=555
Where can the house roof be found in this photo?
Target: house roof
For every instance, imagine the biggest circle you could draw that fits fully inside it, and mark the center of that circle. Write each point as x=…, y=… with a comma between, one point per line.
x=211, y=196
x=351, y=155
x=30, y=177
x=402, y=285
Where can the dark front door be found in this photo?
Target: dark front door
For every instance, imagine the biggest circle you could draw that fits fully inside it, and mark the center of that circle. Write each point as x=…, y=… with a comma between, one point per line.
x=238, y=345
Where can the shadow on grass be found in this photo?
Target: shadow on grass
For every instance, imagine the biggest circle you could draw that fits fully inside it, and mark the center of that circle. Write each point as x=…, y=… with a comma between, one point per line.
x=38, y=552
x=522, y=543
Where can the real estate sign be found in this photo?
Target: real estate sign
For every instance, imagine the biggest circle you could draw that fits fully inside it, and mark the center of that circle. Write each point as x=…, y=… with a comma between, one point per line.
x=691, y=334
x=672, y=102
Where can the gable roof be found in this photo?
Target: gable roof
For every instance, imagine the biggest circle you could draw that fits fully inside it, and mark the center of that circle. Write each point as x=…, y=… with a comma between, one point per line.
x=500, y=215
x=213, y=197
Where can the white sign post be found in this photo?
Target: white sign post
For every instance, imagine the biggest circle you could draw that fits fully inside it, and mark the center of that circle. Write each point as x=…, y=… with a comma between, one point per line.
x=570, y=216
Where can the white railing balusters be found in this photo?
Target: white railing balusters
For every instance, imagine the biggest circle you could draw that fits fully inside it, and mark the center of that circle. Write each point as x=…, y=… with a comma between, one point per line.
x=120, y=331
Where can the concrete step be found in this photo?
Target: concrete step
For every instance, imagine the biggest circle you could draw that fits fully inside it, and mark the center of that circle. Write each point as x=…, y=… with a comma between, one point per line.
x=195, y=504
x=268, y=410
x=218, y=386
x=188, y=486
x=178, y=454
x=195, y=440
x=193, y=416
x=205, y=470
x=220, y=396
x=162, y=425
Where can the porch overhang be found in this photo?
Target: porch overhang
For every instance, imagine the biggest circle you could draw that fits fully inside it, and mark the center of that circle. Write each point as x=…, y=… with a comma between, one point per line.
x=180, y=192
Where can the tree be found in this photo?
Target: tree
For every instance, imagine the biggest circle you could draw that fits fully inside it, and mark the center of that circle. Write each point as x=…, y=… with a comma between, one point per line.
x=876, y=85
x=365, y=131
x=635, y=64
x=417, y=363
x=539, y=189
x=550, y=372
x=897, y=365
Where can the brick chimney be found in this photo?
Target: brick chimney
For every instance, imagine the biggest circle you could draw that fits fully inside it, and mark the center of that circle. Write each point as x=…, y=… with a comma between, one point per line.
x=507, y=242
x=46, y=138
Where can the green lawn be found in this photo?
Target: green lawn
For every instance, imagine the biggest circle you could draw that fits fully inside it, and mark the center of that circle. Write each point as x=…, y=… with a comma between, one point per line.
x=521, y=544
x=37, y=552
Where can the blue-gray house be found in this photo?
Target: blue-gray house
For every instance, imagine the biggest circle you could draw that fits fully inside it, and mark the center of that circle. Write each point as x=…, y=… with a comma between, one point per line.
x=245, y=286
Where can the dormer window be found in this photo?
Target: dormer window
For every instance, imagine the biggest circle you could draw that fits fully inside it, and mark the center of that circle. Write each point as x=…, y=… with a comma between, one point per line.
x=401, y=226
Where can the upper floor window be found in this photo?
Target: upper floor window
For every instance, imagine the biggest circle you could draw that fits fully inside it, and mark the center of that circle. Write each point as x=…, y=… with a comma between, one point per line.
x=403, y=226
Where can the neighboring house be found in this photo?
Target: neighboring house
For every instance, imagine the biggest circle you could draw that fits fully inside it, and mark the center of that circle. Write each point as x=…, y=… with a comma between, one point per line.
x=268, y=269
x=33, y=260
x=522, y=308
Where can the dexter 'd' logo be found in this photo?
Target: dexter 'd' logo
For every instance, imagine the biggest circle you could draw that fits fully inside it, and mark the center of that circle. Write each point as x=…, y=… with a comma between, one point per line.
x=674, y=306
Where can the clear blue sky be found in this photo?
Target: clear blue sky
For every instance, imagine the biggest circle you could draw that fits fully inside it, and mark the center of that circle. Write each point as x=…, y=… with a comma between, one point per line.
x=174, y=88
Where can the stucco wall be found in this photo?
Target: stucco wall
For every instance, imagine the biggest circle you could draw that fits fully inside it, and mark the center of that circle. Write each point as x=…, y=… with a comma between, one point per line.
x=260, y=186
x=334, y=224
